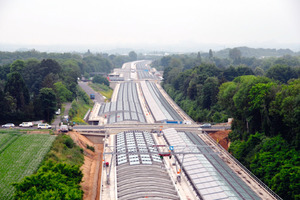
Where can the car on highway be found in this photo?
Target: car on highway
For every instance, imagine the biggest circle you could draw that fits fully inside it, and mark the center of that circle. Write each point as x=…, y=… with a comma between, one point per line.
x=44, y=126
x=26, y=124
x=8, y=125
x=205, y=126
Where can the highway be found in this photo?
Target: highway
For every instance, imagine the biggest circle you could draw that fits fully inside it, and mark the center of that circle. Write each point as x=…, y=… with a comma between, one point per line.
x=141, y=107
x=98, y=97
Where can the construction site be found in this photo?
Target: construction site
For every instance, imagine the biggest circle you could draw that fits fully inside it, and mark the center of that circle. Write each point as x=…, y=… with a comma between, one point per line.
x=148, y=147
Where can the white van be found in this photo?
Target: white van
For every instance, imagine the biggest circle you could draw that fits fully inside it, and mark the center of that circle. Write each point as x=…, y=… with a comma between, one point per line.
x=26, y=124
x=64, y=128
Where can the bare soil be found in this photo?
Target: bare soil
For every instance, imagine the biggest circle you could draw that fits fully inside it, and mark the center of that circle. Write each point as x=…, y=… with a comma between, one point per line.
x=91, y=169
x=221, y=137
x=37, y=132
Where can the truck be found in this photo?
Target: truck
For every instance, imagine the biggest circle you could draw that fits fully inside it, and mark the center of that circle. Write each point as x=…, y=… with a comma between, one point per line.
x=92, y=96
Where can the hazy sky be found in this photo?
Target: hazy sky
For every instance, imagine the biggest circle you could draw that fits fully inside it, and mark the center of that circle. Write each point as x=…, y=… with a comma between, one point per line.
x=151, y=23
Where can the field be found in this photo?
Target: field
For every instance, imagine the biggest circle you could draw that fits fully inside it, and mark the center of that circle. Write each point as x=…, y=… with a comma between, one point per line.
x=20, y=156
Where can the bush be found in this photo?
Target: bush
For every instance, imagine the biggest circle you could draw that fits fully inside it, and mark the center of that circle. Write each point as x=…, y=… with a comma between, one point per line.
x=65, y=150
x=101, y=80
x=90, y=148
x=68, y=141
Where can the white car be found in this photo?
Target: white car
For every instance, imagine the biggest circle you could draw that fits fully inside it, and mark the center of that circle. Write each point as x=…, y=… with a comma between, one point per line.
x=44, y=126
x=57, y=112
x=26, y=124
x=8, y=125
x=205, y=126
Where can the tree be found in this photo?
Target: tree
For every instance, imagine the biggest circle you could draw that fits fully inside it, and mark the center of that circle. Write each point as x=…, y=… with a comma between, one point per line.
x=244, y=70
x=165, y=61
x=132, y=55
x=49, y=66
x=210, y=54
x=285, y=111
x=16, y=87
x=32, y=75
x=49, y=80
x=47, y=99
x=210, y=92
x=199, y=59
x=281, y=73
x=52, y=181
x=260, y=97
x=235, y=54
x=17, y=66
x=7, y=105
x=4, y=70
x=97, y=64
x=62, y=93
x=258, y=71
x=230, y=73
x=286, y=182
x=101, y=80
x=86, y=75
x=192, y=90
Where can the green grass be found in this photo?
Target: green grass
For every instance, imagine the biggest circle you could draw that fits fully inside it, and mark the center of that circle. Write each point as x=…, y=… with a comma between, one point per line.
x=20, y=156
x=103, y=89
x=64, y=150
x=78, y=110
x=11, y=130
x=81, y=113
x=80, y=106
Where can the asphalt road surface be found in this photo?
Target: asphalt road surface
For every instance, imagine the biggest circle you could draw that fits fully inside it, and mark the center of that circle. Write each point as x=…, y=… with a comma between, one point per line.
x=57, y=120
x=98, y=97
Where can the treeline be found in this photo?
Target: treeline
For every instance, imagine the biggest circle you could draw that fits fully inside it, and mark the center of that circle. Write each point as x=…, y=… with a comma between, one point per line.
x=227, y=58
x=194, y=81
x=58, y=177
x=257, y=52
x=87, y=61
x=265, y=106
x=36, y=84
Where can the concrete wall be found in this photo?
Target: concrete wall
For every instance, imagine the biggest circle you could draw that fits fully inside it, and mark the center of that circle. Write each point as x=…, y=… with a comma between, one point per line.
x=97, y=139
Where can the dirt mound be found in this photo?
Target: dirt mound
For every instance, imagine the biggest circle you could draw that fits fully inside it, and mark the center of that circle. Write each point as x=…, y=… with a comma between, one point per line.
x=221, y=137
x=91, y=168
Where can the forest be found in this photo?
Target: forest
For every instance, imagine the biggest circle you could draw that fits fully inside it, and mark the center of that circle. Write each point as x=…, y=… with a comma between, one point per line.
x=262, y=95
x=34, y=84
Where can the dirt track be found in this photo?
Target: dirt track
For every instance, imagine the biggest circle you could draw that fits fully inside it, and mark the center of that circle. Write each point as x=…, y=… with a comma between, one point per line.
x=91, y=168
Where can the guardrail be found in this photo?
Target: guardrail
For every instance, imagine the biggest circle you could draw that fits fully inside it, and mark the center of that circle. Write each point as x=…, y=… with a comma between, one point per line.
x=244, y=168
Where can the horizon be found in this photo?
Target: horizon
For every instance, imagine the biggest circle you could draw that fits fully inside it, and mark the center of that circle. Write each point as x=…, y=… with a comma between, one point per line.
x=138, y=49
x=193, y=25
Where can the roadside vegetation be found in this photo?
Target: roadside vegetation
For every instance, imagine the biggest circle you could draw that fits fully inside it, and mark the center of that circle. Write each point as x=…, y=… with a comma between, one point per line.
x=263, y=98
x=20, y=156
x=65, y=150
x=79, y=107
x=103, y=90
x=58, y=177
